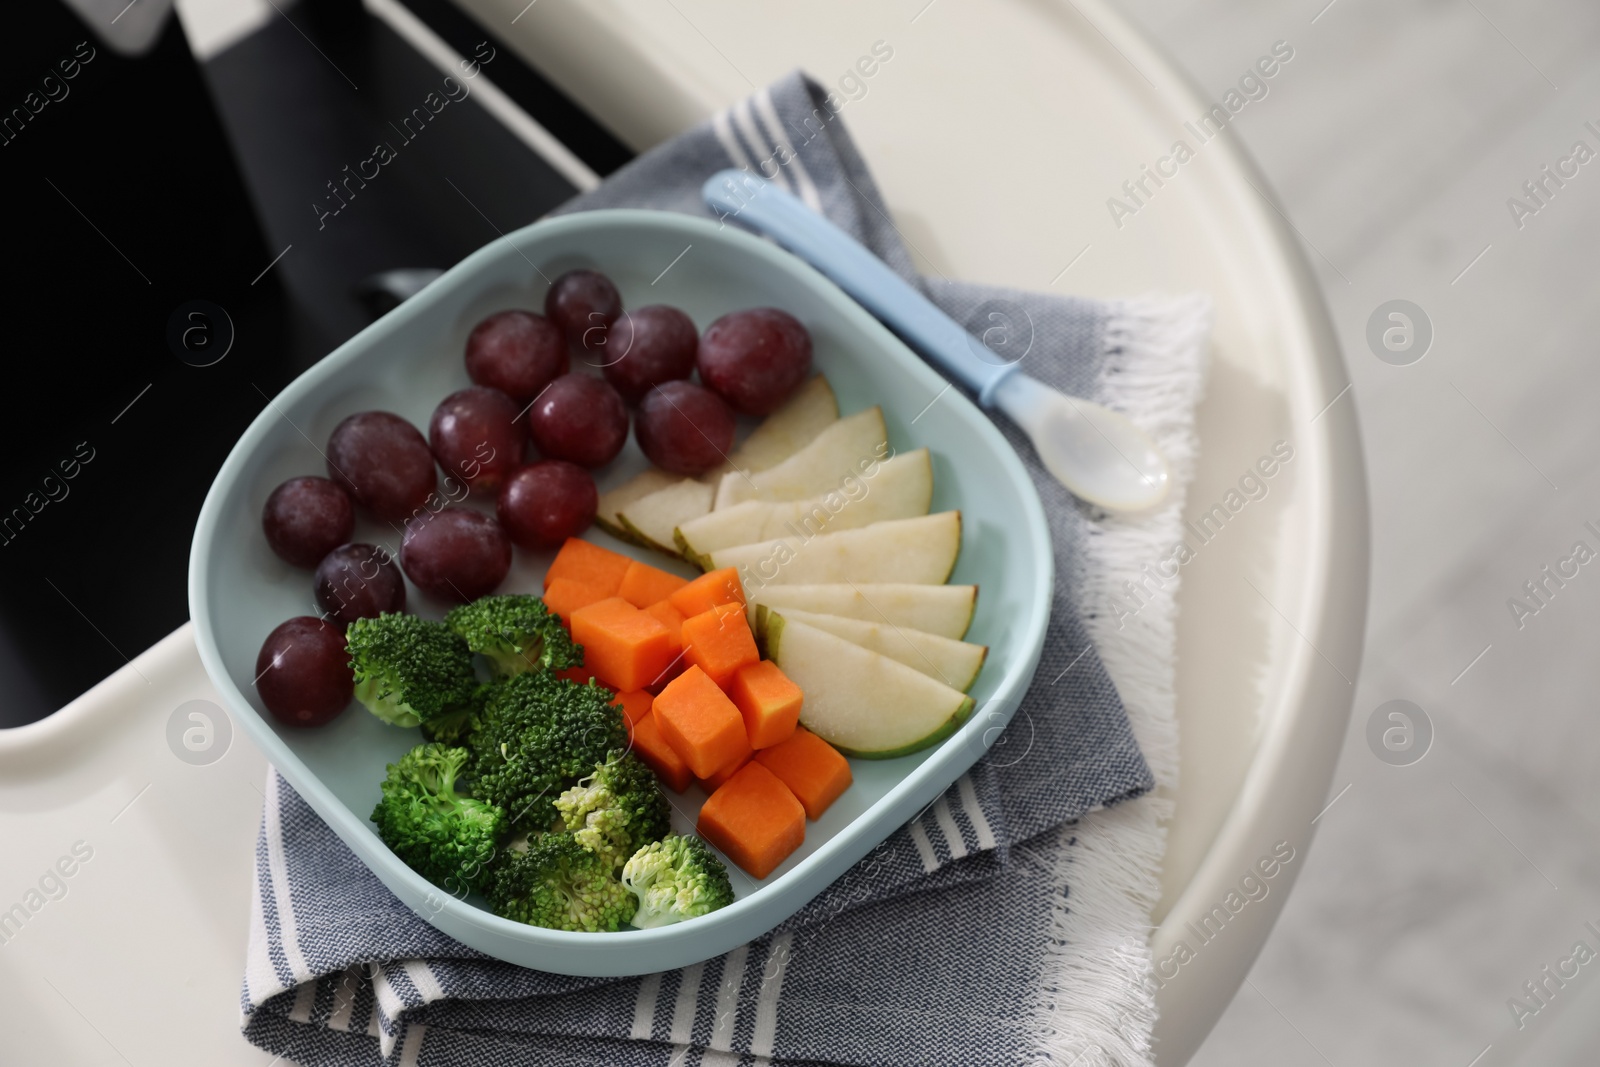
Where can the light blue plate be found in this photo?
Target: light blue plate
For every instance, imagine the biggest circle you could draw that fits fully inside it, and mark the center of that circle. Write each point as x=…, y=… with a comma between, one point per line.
x=409, y=360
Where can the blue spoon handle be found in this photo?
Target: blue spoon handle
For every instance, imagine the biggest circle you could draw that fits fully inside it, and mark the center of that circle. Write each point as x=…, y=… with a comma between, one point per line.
x=768, y=209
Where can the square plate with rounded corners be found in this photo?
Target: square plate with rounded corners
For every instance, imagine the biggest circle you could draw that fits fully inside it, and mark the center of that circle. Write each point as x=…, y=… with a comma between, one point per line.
x=410, y=359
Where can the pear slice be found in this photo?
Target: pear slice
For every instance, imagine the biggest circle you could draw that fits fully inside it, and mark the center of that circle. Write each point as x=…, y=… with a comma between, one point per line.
x=779, y=436
x=945, y=610
x=634, y=489
x=850, y=446
x=898, y=489
x=922, y=550
x=955, y=663
x=862, y=702
x=786, y=431
x=651, y=519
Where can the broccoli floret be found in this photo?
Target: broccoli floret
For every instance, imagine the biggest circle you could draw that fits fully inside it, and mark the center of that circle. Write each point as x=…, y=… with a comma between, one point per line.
x=676, y=878
x=443, y=834
x=560, y=884
x=454, y=727
x=408, y=670
x=515, y=633
x=617, y=809
x=538, y=735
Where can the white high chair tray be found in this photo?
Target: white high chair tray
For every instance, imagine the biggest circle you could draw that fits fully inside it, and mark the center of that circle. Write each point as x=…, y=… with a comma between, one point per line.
x=1046, y=107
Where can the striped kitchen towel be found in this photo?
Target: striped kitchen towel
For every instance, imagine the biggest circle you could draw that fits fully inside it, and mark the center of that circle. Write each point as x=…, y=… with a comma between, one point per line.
x=1005, y=924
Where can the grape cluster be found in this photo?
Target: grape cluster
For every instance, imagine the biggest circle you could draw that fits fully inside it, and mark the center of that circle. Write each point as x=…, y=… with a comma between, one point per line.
x=524, y=393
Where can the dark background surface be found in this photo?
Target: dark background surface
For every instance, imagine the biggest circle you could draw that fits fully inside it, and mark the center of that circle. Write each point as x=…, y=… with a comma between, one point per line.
x=153, y=183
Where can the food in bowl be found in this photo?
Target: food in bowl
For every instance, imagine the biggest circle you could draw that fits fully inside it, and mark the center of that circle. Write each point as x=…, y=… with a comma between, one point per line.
x=553, y=725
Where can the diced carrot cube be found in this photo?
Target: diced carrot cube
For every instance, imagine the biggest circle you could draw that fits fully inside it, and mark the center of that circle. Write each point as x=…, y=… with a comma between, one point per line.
x=566, y=595
x=650, y=746
x=716, y=780
x=588, y=564
x=625, y=648
x=643, y=585
x=754, y=819
x=719, y=642
x=668, y=616
x=701, y=723
x=769, y=702
x=707, y=591
x=813, y=770
x=581, y=675
x=635, y=705
x=668, y=676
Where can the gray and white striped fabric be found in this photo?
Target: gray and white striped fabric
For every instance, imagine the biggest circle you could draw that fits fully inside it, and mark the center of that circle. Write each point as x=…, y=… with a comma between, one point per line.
x=934, y=949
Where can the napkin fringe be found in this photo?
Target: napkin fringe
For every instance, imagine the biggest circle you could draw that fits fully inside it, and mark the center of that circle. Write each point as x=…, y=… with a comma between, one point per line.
x=1097, y=955
x=1155, y=366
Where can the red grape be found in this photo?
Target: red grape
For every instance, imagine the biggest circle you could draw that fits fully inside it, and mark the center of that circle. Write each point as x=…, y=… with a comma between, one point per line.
x=455, y=554
x=516, y=352
x=476, y=435
x=384, y=463
x=584, y=304
x=303, y=672
x=684, y=428
x=649, y=346
x=306, y=518
x=358, y=582
x=754, y=359
x=547, y=502
x=581, y=419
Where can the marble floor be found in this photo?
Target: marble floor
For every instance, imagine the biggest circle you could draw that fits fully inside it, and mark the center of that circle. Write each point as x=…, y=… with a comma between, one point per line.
x=1436, y=890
